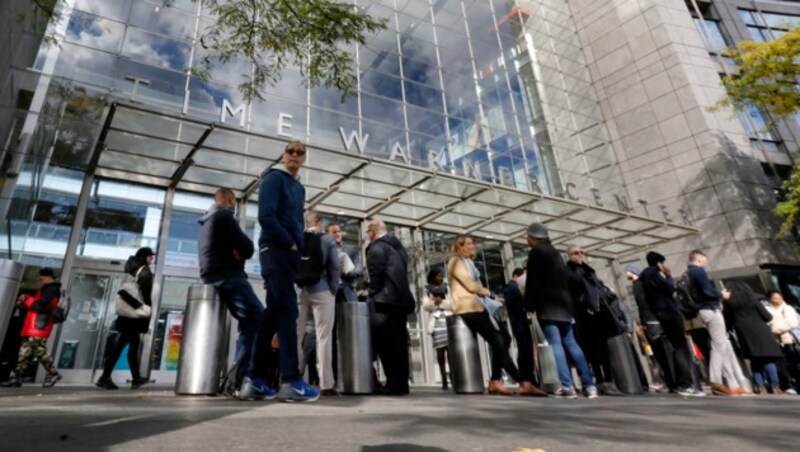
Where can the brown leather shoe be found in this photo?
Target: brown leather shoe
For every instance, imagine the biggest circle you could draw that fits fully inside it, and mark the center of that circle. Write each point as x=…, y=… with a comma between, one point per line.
x=742, y=392
x=526, y=388
x=722, y=390
x=496, y=387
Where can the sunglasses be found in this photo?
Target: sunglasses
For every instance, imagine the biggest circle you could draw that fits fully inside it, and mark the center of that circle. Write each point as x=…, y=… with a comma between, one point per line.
x=296, y=152
x=578, y=252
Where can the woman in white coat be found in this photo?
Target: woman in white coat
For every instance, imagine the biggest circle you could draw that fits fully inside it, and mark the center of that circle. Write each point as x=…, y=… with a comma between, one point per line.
x=438, y=307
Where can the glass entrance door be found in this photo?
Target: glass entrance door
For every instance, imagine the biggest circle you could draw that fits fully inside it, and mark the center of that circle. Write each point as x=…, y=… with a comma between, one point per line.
x=83, y=336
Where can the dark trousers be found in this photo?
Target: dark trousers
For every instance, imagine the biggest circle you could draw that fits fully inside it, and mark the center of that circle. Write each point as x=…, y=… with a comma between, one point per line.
x=592, y=338
x=245, y=307
x=481, y=324
x=132, y=340
x=390, y=339
x=672, y=324
x=791, y=365
x=522, y=334
x=662, y=350
x=278, y=268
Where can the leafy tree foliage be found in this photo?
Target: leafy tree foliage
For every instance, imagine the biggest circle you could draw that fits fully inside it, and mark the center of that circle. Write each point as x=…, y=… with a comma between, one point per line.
x=767, y=79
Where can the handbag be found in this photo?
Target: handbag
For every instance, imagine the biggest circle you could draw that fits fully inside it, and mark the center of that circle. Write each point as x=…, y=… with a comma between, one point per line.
x=131, y=287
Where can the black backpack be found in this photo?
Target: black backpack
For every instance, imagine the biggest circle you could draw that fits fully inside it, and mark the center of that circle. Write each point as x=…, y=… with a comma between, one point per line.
x=61, y=311
x=684, y=296
x=311, y=261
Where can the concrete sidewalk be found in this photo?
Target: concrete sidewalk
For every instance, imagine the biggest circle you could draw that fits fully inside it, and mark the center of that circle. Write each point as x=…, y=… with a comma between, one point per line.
x=67, y=418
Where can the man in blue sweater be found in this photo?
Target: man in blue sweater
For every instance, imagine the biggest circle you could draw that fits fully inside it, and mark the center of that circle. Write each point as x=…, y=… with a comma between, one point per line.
x=722, y=362
x=281, y=197
x=223, y=249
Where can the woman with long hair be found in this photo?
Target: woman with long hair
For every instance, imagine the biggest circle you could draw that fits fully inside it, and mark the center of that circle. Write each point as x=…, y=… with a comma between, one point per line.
x=130, y=329
x=749, y=318
x=438, y=306
x=469, y=298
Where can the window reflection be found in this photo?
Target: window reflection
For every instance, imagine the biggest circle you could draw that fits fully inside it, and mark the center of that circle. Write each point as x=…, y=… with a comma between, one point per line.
x=155, y=50
x=168, y=21
x=95, y=32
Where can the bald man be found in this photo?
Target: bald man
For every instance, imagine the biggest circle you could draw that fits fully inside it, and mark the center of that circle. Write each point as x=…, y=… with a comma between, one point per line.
x=392, y=302
x=223, y=249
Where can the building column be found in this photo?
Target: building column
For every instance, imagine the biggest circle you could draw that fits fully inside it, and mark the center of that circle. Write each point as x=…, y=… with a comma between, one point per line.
x=158, y=282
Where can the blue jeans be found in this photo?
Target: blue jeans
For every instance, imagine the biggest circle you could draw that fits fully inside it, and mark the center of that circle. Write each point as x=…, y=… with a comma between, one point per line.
x=562, y=341
x=238, y=296
x=278, y=268
x=761, y=366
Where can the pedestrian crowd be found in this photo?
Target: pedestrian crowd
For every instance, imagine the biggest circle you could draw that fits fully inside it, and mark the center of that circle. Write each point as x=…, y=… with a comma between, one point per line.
x=690, y=337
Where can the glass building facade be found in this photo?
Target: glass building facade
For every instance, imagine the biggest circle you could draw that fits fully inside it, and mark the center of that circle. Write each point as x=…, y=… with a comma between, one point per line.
x=487, y=90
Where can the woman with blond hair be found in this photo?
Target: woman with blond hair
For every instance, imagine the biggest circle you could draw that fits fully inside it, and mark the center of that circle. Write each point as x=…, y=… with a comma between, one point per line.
x=469, y=300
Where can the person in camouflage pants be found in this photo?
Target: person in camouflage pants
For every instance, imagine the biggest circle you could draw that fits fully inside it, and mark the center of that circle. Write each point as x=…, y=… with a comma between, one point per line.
x=34, y=348
x=37, y=328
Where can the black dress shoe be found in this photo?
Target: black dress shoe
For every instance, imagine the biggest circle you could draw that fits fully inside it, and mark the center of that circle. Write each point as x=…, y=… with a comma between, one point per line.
x=106, y=383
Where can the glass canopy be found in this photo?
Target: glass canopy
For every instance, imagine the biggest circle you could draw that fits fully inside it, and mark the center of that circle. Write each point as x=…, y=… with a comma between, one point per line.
x=156, y=148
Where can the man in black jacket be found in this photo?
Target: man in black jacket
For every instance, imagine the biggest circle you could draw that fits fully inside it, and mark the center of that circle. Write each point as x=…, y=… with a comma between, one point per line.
x=658, y=293
x=548, y=295
x=223, y=249
x=392, y=301
x=595, y=322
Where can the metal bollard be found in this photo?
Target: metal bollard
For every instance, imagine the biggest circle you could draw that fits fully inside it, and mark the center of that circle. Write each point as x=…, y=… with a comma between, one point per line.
x=203, y=342
x=10, y=278
x=354, y=343
x=465, y=359
x=623, y=367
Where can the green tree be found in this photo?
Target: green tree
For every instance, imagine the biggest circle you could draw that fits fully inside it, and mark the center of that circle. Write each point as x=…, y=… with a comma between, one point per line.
x=767, y=79
x=312, y=35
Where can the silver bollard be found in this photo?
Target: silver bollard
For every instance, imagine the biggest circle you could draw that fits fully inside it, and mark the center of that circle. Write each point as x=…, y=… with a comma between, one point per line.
x=354, y=342
x=203, y=342
x=465, y=358
x=10, y=277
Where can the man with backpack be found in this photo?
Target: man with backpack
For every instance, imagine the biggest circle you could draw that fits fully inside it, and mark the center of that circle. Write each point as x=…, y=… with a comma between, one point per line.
x=37, y=328
x=708, y=302
x=318, y=279
x=659, y=288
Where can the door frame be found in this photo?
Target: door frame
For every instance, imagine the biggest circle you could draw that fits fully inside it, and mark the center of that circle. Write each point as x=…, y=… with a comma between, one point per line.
x=111, y=268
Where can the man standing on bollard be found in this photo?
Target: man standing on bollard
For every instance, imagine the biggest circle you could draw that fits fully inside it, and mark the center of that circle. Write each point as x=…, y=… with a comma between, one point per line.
x=392, y=302
x=280, y=214
x=318, y=278
x=223, y=249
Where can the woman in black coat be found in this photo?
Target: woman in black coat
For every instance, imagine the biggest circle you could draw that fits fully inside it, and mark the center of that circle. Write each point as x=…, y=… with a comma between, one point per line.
x=748, y=317
x=130, y=330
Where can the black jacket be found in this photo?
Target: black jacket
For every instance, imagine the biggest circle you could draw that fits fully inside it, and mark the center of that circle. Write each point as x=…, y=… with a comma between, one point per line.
x=145, y=282
x=749, y=320
x=595, y=302
x=547, y=285
x=645, y=314
x=515, y=302
x=387, y=264
x=586, y=289
x=220, y=234
x=658, y=291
